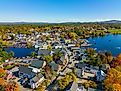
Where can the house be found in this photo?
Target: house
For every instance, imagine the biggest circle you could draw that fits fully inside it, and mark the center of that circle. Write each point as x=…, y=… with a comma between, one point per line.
x=54, y=66
x=38, y=43
x=105, y=67
x=100, y=75
x=62, y=41
x=74, y=48
x=80, y=73
x=26, y=72
x=80, y=65
x=36, y=65
x=94, y=69
x=46, y=33
x=43, y=46
x=28, y=76
x=70, y=45
x=43, y=52
x=64, y=56
x=67, y=40
x=73, y=86
x=36, y=80
x=92, y=89
x=63, y=59
x=56, y=45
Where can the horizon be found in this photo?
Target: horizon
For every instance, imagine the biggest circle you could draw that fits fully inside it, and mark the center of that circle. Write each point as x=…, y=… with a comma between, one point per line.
x=59, y=22
x=59, y=11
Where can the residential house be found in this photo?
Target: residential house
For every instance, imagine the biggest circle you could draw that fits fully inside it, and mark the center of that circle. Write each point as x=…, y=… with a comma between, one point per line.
x=80, y=73
x=73, y=86
x=56, y=45
x=100, y=75
x=44, y=46
x=42, y=52
x=36, y=65
x=80, y=65
x=36, y=80
x=28, y=76
x=45, y=33
x=26, y=72
x=70, y=45
x=64, y=57
x=62, y=41
x=67, y=40
x=38, y=43
x=94, y=69
x=105, y=67
x=92, y=89
x=74, y=48
x=54, y=66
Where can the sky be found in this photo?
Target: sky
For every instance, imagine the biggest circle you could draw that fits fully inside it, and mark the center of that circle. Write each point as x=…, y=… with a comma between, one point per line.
x=59, y=10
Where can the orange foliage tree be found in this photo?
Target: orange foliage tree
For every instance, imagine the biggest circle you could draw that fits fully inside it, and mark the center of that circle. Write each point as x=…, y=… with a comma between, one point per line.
x=113, y=80
x=2, y=72
x=116, y=62
x=12, y=86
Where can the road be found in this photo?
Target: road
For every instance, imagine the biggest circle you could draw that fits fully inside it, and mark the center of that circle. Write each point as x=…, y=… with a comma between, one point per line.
x=65, y=70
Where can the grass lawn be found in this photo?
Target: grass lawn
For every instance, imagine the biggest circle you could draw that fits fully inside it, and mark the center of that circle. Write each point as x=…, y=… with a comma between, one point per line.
x=115, y=31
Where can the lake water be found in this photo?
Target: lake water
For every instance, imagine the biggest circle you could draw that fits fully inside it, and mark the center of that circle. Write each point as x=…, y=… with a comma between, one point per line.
x=109, y=42
x=20, y=52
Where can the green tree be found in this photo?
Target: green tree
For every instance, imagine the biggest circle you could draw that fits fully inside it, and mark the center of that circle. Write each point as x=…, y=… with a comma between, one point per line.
x=69, y=77
x=48, y=58
x=49, y=47
x=33, y=54
x=89, y=84
x=73, y=35
x=11, y=54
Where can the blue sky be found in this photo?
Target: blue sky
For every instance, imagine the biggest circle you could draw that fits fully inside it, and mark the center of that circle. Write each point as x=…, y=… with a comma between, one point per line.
x=59, y=10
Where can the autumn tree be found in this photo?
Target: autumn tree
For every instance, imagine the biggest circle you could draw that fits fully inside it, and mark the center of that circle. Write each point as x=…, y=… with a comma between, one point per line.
x=113, y=80
x=12, y=86
x=2, y=72
x=2, y=84
x=116, y=61
x=90, y=52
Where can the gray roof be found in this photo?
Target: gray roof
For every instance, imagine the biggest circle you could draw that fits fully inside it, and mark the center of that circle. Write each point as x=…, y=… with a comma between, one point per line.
x=54, y=66
x=37, y=63
x=63, y=50
x=26, y=70
x=56, y=50
x=79, y=71
x=100, y=73
x=91, y=89
x=105, y=66
x=73, y=86
x=37, y=77
x=44, y=52
x=80, y=65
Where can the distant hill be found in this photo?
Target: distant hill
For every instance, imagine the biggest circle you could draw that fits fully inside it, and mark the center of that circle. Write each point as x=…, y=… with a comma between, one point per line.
x=13, y=23
x=105, y=22
x=112, y=21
